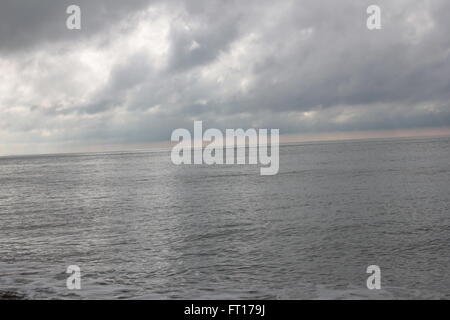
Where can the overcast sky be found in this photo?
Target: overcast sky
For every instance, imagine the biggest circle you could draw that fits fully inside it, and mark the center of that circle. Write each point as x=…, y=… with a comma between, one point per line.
x=139, y=69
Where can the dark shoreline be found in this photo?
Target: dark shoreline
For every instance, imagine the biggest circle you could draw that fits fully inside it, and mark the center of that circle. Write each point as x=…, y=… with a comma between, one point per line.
x=10, y=295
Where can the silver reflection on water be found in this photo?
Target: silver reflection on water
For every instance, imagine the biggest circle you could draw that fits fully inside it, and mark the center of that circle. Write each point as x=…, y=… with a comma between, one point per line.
x=141, y=227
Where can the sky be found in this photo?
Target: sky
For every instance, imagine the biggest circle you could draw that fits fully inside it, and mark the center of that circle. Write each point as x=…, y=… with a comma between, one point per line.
x=139, y=69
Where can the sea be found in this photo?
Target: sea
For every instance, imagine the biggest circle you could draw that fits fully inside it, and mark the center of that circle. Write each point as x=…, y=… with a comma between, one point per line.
x=140, y=227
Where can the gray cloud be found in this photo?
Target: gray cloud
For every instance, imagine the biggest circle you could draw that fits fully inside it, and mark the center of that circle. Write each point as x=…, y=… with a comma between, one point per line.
x=138, y=70
x=30, y=23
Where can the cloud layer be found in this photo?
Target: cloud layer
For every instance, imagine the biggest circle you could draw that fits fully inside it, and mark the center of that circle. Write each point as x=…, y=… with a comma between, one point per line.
x=138, y=70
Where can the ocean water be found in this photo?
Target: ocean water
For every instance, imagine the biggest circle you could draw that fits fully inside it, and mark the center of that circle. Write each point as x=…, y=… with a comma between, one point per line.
x=140, y=227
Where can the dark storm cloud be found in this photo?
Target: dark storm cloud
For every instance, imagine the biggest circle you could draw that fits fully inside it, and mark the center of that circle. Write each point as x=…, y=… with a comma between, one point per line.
x=29, y=23
x=217, y=25
x=300, y=66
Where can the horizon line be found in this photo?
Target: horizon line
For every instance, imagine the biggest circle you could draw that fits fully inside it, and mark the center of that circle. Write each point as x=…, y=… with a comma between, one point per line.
x=289, y=138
